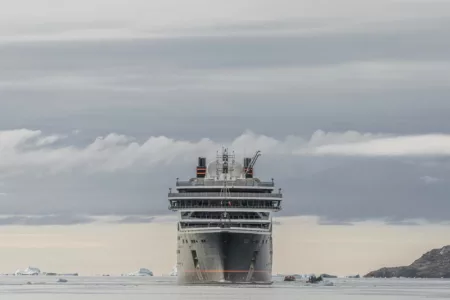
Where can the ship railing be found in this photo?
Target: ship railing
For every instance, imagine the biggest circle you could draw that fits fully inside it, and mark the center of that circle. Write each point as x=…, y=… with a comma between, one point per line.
x=222, y=183
x=202, y=219
x=223, y=195
x=212, y=206
x=234, y=221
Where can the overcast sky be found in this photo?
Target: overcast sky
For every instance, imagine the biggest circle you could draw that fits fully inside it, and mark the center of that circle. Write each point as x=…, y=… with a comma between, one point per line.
x=104, y=103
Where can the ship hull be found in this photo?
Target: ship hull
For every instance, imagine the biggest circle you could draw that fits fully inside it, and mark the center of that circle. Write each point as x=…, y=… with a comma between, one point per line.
x=224, y=257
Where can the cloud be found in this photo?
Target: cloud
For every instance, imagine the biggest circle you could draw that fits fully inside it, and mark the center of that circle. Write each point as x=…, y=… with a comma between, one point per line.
x=25, y=149
x=139, y=219
x=68, y=219
x=325, y=221
x=135, y=219
x=132, y=87
x=45, y=220
x=419, y=145
x=430, y=179
x=403, y=223
x=129, y=177
x=99, y=19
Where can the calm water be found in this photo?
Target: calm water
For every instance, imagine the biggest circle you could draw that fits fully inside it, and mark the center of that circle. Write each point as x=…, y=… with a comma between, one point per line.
x=84, y=288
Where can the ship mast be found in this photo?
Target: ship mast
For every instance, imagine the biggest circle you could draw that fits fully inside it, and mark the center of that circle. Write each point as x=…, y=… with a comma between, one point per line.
x=226, y=170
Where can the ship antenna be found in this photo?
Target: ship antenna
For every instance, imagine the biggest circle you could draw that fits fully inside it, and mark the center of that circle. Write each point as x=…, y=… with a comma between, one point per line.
x=217, y=165
x=233, y=162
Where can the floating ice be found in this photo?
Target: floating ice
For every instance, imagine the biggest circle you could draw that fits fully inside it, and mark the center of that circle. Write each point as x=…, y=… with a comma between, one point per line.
x=30, y=271
x=302, y=276
x=174, y=271
x=141, y=272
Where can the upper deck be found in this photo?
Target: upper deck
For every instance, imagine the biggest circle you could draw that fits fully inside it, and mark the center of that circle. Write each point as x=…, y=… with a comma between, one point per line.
x=237, y=185
x=225, y=184
x=254, y=182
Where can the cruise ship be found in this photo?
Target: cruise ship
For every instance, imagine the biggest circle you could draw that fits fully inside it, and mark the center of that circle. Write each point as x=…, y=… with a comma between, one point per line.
x=225, y=222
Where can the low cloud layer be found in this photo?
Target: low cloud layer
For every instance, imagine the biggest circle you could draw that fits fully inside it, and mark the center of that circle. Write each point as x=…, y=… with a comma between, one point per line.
x=45, y=220
x=340, y=177
x=135, y=219
x=21, y=150
x=113, y=19
x=420, y=145
x=74, y=219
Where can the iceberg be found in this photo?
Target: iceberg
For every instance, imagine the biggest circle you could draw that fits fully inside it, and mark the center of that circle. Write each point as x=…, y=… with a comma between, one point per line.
x=303, y=276
x=174, y=271
x=30, y=271
x=141, y=272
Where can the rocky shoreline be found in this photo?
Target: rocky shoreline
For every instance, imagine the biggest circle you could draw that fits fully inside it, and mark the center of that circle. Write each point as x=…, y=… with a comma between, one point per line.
x=433, y=264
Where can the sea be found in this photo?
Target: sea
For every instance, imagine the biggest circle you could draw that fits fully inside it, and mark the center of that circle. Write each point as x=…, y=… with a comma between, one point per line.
x=140, y=288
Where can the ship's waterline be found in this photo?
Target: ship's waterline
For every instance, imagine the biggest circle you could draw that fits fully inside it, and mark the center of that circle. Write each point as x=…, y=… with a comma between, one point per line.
x=225, y=223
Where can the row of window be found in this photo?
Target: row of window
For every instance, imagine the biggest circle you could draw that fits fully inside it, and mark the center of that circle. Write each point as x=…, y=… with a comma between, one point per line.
x=192, y=241
x=246, y=241
x=184, y=225
x=225, y=215
x=229, y=203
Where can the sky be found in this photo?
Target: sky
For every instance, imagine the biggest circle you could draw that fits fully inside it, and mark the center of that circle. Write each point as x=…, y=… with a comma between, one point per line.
x=301, y=246
x=105, y=103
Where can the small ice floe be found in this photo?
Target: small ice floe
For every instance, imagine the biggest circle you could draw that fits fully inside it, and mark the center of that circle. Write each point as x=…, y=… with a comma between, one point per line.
x=141, y=272
x=302, y=276
x=62, y=280
x=319, y=281
x=174, y=271
x=30, y=271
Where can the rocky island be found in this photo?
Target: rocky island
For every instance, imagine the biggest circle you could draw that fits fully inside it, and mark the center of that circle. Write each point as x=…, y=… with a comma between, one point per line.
x=433, y=264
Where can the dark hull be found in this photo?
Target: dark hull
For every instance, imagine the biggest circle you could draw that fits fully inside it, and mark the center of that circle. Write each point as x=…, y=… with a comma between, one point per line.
x=224, y=257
